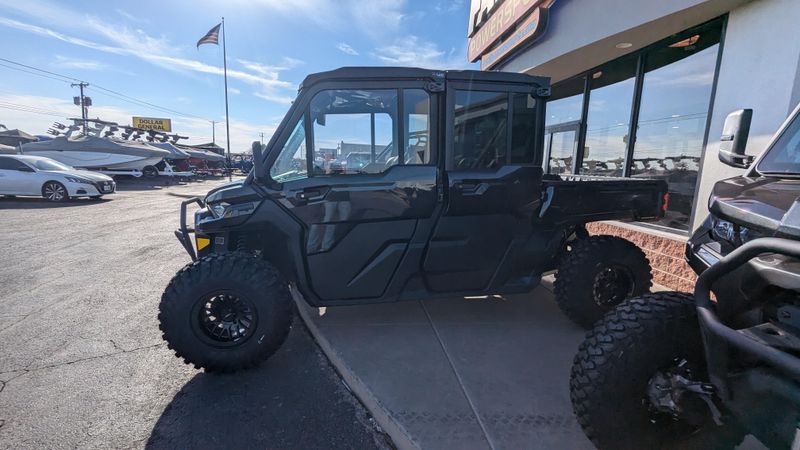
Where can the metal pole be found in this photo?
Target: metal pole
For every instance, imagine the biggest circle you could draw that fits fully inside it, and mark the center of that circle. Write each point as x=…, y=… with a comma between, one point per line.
x=227, y=118
x=262, y=138
x=84, y=112
x=213, y=131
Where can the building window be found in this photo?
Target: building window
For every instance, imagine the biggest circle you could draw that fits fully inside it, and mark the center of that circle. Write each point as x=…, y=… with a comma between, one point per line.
x=608, y=120
x=673, y=113
x=562, y=125
x=666, y=88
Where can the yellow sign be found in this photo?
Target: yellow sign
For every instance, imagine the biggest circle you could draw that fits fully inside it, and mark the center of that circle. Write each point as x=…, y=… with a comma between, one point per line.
x=152, y=123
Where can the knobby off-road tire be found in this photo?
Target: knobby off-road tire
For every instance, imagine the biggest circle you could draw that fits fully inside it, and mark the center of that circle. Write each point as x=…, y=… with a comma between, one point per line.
x=225, y=313
x=617, y=360
x=598, y=273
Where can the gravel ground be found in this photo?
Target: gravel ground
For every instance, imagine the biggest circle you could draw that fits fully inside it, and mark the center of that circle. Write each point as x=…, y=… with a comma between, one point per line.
x=82, y=363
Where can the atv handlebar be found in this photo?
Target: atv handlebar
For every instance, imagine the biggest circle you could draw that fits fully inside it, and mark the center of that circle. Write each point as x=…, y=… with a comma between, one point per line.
x=714, y=326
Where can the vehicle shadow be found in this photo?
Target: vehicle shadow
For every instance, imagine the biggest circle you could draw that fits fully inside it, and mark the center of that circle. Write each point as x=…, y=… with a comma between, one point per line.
x=293, y=400
x=146, y=184
x=40, y=203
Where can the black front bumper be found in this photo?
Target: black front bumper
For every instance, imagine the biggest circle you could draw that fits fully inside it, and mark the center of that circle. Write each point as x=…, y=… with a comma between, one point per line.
x=183, y=233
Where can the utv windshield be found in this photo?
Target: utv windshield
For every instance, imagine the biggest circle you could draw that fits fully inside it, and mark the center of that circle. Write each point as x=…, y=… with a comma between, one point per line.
x=783, y=158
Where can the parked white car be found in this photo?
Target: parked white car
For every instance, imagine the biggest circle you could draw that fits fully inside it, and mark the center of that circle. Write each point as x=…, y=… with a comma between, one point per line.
x=45, y=177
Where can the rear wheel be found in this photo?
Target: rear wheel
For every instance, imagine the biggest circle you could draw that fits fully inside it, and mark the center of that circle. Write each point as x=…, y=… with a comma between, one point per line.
x=624, y=378
x=225, y=313
x=598, y=273
x=53, y=191
x=150, y=172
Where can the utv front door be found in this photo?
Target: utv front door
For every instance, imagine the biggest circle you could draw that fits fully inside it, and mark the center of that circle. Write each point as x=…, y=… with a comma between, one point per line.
x=367, y=179
x=493, y=187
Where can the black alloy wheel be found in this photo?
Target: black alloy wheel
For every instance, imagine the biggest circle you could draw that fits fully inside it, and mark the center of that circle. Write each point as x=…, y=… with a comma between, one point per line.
x=613, y=283
x=226, y=318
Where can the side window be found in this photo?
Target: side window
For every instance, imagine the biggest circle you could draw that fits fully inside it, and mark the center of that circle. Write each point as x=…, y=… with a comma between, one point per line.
x=523, y=129
x=480, y=129
x=417, y=106
x=354, y=131
x=9, y=163
x=291, y=162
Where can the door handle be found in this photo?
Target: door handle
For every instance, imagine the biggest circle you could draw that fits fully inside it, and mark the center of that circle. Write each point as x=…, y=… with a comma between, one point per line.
x=468, y=187
x=310, y=195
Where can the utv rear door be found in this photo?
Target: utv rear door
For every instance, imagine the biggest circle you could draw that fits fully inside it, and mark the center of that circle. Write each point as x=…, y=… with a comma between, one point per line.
x=367, y=178
x=493, y=177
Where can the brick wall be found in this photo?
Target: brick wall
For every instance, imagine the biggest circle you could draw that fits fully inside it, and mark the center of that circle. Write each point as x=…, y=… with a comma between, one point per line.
x=665, y=254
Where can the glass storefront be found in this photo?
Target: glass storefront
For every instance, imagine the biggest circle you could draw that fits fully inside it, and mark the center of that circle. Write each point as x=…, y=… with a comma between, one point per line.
x=666, y=89
x=608, y=120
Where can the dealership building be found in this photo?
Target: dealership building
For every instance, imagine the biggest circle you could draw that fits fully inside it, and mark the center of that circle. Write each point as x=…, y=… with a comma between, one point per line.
x=641, y=88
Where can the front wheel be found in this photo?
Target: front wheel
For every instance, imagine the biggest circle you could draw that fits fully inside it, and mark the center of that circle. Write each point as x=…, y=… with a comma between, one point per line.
x=625, y=375
x=55, y=192
x=226, y=313
x=598, y=273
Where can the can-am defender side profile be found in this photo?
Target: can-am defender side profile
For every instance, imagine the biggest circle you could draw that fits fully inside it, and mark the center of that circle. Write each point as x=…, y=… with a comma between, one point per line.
x=672, y=370
x=450, y=199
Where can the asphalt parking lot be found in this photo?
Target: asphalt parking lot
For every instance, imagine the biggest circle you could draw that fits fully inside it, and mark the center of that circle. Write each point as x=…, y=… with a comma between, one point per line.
x=82, y=363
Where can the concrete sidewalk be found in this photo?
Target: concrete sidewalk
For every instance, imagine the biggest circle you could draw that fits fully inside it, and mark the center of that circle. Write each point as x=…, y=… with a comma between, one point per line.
x=470, y=373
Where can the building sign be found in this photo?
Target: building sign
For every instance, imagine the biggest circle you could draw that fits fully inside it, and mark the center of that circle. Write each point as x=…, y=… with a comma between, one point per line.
x=492, y=41
x=152, y=123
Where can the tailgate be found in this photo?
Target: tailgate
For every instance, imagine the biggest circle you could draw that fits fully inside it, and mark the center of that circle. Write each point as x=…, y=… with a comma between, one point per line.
x=581, y=199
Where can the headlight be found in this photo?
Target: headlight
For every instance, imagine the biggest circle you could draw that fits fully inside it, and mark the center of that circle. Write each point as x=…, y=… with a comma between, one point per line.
x=748, y=234
x=723, y=229
x=222, y=209
x=78, y=180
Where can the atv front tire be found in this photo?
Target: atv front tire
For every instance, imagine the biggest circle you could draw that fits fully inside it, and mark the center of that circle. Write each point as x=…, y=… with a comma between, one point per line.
x=598, y=273
x=225, y=313
x=614, y=367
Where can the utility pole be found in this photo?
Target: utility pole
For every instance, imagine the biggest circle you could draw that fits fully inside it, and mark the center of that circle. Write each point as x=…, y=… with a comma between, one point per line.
x=262, y=137
x=82, y=103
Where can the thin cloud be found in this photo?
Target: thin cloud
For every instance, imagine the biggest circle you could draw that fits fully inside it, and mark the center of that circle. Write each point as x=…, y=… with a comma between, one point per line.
x=79, y=64
x=156, y=51
x=346, y=49
x=413, y=51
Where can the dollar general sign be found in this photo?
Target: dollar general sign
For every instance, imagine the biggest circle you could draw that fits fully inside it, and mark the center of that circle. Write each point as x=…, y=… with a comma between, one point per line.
x=152, y=123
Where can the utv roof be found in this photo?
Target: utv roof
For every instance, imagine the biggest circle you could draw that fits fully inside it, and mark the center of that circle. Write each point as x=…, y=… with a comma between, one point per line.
x=416, y=73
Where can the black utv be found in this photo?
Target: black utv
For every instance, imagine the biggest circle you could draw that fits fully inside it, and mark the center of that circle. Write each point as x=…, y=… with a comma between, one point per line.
x=676, y=370
x=387, y=184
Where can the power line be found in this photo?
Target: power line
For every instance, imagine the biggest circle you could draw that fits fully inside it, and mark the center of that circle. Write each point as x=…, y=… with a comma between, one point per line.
x=33, y=73
x=118, y=95
x=39, y=70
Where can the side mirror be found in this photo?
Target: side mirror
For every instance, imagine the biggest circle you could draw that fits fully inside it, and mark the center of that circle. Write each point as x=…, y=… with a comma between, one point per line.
x=734, y=139
x=258, y=161
x=25, y=169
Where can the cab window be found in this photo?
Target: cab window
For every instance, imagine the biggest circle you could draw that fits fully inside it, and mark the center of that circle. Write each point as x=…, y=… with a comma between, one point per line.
x=291, y=163
x=480, y=132
x=354, y=131
x=481, y=129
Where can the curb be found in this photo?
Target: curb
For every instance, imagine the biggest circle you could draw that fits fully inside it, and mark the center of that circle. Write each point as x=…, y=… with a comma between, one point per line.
x=400, y=437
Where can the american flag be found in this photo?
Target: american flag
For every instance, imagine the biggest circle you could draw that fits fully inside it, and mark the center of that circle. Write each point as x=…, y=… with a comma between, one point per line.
x=212, y=37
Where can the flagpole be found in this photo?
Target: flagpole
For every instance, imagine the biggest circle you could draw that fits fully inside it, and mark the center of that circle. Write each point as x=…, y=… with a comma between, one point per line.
x=227, y=118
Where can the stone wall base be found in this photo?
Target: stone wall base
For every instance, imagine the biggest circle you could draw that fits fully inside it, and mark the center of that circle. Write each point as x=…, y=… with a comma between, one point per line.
x=665, y=254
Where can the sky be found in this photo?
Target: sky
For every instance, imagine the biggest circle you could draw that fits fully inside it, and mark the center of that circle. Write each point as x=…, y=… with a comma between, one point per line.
x=145, y=51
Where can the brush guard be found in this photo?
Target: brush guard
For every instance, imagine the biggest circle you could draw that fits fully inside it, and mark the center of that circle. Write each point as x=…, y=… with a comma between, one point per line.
x=184, y=232
x=718, y=337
